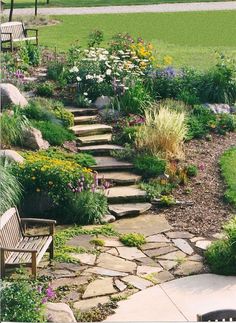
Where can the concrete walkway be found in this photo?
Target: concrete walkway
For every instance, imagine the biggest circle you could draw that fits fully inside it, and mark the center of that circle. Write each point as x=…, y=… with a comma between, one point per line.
x=179, y=300
x=176, y=7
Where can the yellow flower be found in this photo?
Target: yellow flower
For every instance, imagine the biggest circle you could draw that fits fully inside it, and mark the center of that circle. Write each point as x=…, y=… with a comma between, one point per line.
x=38, y=190
x=50, y=183
x=167, y=60
x=33, y=178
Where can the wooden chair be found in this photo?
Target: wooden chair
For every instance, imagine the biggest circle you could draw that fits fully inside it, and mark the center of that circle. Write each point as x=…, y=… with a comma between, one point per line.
x=15, y=31
x=218, y=316
x=19, y=248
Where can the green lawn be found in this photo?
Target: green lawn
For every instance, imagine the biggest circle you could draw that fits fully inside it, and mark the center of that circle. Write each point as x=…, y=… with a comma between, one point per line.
x=89, y=3
x=228, y=169
x=191, y=38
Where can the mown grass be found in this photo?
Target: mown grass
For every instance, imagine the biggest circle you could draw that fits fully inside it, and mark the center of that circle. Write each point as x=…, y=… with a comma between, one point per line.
x=191, y=38
x=95, y=3
x=228, y=169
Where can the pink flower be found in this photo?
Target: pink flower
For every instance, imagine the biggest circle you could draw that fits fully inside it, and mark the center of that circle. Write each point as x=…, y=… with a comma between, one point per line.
x=201, y=166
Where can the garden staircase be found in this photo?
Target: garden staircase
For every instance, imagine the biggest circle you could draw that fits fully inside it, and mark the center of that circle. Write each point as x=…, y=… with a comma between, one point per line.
x=124, y=197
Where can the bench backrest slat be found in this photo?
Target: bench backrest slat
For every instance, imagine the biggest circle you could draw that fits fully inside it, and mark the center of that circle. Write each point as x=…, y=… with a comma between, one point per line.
x=10, y=229
x=14, y=27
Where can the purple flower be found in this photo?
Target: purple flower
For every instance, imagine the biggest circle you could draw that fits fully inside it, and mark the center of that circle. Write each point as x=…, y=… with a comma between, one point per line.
x=44, y=300
x=50, y=292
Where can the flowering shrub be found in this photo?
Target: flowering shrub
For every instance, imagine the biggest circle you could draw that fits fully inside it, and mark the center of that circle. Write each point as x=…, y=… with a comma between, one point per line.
x=23, y=300
x=44, y=174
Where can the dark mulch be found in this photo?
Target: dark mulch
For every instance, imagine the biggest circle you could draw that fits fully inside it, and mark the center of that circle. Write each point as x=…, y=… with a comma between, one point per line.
x=209, y=210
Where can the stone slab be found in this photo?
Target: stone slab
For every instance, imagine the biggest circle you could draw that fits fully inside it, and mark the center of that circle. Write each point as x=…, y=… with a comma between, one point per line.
x=130, y=253
x=86, y=305
x=147, y=224
x=179, y=235
x=91, y=129
x=203, y=244
x=146, y=261
x=129, y=209
x=137, y=282
x=184, y=246
x=110, y=163
x=84, y=119
x=189, y=268
x=176, y=255
x=84, y=258
x=59, y=313
x=120, y=177
x=100, y=287
x=105, y=272
x=168, y=264
x=125, y=194
x=82, y=240
x=159, y=251
x=96, y=149
x=153, y=245
x=146, y=270
x=120, y=285
x=115, y=263
x=77, y=281
x=157, y=238
x=95, y=139
x=161, y=277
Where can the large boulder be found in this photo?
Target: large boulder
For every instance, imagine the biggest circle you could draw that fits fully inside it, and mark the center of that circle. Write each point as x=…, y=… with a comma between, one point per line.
x=11, y=95
x=32, y=138
x=59, y=313
x=12, y=155
x=219, y=107
x=102, y=102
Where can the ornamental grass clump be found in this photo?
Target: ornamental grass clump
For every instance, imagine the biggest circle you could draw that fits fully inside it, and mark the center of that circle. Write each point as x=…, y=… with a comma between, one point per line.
x=163, y=133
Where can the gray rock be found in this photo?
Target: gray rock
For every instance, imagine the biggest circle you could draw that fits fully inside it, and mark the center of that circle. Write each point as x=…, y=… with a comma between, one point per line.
x=153, y=245
x=159, y=251
x=218, y=108
x=195, y=257
x=10, y=95
x=179, y=234
x=184, y=246
x=32, y=138
x=102, y=102
x=131, y=209
x=130, y=253
x=137, y=282
x=87, y=304
x=84, y=258
x=189, y=268
x=105, y=272
x=157, y=238
x=168, y=264
x=108, y=218
x=203, y=244
x=146, y=270
x=100, y=287
x=76, y=281
x=115, y=263
x=120, y=285
x=163, y=276
x=59, y=313
x=147, y=262
x=12, y=155
x=176, y=255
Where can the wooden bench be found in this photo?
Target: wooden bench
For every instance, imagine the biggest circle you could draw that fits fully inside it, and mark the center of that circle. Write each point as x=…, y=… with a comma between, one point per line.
x=19, y=248
x=15, y=31
x=218, y=316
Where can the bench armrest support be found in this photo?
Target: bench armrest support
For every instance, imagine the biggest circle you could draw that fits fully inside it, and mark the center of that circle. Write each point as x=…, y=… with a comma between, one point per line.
x=51, y=223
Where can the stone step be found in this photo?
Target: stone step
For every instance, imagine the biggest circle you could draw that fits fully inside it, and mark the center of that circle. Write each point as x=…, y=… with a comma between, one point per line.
x=106, y=163
x=84, y=119
x=121, y=178
x=131, y=209
x=100, y=149
x=122, y=194
x=82, y=111
x=91, y=129
x=95, y=139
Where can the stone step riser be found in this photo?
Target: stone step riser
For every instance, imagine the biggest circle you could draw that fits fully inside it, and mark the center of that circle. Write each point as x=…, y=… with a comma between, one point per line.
x=84, y=120
x=126, y=199
x=83, y=112
x=99, y=150
x=91, y=140
x=129, y=209
x=81, y=133
x=116, y=167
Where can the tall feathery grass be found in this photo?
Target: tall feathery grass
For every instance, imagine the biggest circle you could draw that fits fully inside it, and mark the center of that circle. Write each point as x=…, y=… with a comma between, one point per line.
x=163, y=132
x=10, y=189
x=12, y=126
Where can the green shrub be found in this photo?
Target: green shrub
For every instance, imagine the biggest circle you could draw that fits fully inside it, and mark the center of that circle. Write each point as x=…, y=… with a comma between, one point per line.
x=30, y=54
x=228, y=169
x=12, y=125
x=86, y=207
x=55, y=134
x=56, y=71
x=155, y=188
x=45, y=89
x=192, y=170
x=35, y=111
x=97, y=242
x=22, y=301
x=82, y=159
x=10, y=189
x=127, y=135
x=133, y=239
x=149, y=166
x=41, y=174
x=95, y=38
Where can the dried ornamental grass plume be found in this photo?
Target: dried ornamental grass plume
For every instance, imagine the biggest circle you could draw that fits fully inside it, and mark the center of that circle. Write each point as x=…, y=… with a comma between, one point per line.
x=163, y=132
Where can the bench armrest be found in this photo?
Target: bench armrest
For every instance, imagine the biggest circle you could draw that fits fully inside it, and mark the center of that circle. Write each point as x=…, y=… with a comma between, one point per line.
x=18, y=250
x=31, y=29
x=6, y=33
x=51, y=223
x=35, y=29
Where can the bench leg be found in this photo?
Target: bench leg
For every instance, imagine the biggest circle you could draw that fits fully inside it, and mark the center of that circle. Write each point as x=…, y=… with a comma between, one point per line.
x=51, y=250
x=2, y=264
x=34, y=266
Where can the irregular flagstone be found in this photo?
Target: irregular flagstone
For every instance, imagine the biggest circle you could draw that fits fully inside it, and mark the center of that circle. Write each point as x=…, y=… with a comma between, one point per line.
x=85, y=305
x=113, y=251
x=120, y=285
x=130, y=253
x=179, y=234
x=84, y=119
x=153, y=245
x=70, y=266
x=121, y=177
x=96, y=149
x=196, y=257
x=129, y=209
x=59, y=312
x=137, y=282
x=99, y=287
x=157, y=238
x=168, y=264
x=111, y=242
x=159, y=251
x=81, y=111
x=77, y=281
x=147, y=224
x=104, y=272
x=220, y=235
x=147, y=262
x=119, y=194
x=61, y=273
x=107, y=163
x=195, y=239
x=184, y=246
x=90, y=129
x=108, y=261
x=161, y=277
x=84, y=258
x=125, y=294
x=176, y=255
x=189, y=268
x=72, y=296
x=95, y=139
x=82, y=240
x=146, y=270
x=203, y=244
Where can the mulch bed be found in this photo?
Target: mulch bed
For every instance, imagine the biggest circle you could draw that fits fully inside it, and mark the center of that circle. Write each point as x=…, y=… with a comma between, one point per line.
x=209, y=210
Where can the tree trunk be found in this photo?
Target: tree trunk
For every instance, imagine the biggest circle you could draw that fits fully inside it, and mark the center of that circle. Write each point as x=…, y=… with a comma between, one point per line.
x=11, y=10
x=47, y=1
x=36, y=8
